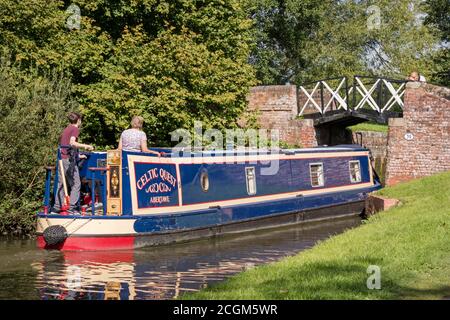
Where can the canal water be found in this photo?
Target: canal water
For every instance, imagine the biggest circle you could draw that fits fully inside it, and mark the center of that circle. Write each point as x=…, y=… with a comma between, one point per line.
x=151, y=273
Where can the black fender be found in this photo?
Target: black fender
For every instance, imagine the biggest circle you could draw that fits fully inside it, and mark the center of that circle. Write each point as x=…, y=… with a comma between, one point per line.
x=54, y=235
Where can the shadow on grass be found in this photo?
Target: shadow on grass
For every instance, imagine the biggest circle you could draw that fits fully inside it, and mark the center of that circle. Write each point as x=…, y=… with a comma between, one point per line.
x=439, y=292
x=319, y=281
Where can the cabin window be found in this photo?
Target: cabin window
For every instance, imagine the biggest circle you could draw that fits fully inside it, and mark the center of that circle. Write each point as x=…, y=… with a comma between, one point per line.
x=204, y=181
x=316, y=173
x=251, y=180
x=355, y=171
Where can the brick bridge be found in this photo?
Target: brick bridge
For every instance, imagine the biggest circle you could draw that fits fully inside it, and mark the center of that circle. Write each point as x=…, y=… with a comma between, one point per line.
x=418, y=115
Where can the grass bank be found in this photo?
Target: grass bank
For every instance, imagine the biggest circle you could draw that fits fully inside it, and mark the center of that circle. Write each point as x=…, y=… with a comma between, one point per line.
x=410, y=244
x=369, y=126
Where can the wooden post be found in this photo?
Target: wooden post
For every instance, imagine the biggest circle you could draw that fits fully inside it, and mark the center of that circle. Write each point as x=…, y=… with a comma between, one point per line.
x=66, y=193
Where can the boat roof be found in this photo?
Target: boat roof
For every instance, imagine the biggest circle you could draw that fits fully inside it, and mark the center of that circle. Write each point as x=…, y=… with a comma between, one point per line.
x=177, y=152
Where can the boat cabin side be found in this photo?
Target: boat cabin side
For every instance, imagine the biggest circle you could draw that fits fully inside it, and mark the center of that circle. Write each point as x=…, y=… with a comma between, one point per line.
x=121, y=183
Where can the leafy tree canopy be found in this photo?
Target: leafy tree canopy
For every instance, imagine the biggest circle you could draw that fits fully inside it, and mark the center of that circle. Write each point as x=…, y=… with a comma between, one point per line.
x=172, y=62
x=438, y=16
x=300, y=41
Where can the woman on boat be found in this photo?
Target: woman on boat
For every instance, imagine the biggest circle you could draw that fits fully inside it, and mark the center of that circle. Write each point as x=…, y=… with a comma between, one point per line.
x=135, y=139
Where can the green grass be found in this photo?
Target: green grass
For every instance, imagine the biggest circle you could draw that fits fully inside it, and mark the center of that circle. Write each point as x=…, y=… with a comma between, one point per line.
x=410, y=243
x=369, y=126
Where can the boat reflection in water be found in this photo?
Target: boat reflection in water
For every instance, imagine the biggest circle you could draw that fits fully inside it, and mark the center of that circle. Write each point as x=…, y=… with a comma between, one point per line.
x=87, y=275
x=166, y=272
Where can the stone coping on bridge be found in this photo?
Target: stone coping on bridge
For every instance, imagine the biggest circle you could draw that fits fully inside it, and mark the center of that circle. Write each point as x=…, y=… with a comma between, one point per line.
x=396, y=122
x=435, y=90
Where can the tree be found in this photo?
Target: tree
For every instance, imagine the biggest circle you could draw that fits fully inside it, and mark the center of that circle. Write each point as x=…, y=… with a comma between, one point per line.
x=439, y=17
x=283, y=32
x=33, y=112
x=194, y=68
x=300, y=41
x=172, y=62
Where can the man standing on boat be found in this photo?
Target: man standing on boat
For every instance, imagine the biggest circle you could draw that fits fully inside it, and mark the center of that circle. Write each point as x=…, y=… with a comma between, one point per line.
x=69, y=156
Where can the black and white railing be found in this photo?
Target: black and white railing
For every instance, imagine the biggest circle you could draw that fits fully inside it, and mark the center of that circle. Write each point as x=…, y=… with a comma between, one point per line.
x=323, y=89
x=378, y=94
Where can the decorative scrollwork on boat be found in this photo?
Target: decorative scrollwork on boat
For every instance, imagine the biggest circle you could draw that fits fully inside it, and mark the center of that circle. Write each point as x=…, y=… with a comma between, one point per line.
x=114, y=182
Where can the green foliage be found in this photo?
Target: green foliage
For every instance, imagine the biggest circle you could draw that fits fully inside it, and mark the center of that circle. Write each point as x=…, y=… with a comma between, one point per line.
x=17, y=215
x=284, y=32
x=172, y=62
x=439, y=17
x=33, y=112
x=171, y=81
x=442, y=68
x=285, y=145
x=300, y=41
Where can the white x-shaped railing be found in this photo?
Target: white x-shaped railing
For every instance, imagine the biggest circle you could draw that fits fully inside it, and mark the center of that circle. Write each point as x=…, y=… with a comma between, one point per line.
x=363, y=96
x=367, y=95
x=335, y=96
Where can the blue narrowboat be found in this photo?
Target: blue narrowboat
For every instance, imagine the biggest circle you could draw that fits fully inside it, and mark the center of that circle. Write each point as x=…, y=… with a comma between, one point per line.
x=135, y=199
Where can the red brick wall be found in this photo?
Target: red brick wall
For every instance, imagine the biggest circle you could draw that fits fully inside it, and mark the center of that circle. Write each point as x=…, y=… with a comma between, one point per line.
x=277, y=108
x=276, y=104
x=300, y=132
x=375, y=141
x=426, y=116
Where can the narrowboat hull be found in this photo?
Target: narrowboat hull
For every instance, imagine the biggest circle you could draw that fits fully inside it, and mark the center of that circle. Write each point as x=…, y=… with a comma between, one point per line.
x=151, y=201
x=116, y=237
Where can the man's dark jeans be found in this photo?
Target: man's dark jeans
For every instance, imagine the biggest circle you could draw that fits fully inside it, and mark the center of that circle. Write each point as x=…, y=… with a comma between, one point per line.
x=74, y=190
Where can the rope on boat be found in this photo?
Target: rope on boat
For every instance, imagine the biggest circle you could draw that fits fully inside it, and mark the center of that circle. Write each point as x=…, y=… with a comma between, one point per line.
x=69, y=223
x=90, y=219
x=64, y=225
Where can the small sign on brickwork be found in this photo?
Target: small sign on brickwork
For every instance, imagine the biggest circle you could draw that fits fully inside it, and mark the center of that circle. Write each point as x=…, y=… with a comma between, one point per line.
x=409, y=136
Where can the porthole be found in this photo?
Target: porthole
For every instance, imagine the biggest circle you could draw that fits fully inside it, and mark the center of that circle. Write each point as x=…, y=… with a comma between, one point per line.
x=204, y=181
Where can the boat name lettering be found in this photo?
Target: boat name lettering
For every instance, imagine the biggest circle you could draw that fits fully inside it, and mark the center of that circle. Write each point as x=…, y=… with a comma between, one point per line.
x=154, y=173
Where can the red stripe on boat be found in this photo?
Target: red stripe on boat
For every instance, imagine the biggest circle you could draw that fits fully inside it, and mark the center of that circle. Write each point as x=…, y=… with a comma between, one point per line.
x=90, y=243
